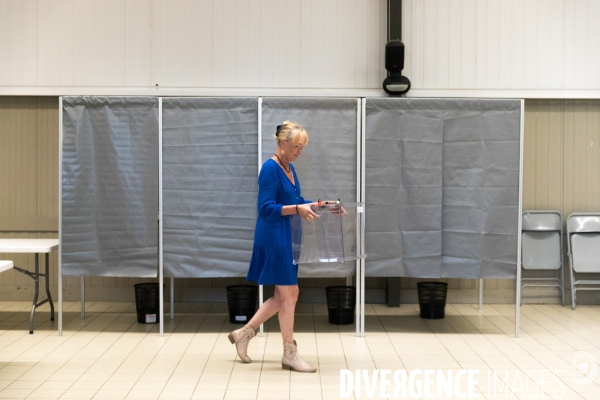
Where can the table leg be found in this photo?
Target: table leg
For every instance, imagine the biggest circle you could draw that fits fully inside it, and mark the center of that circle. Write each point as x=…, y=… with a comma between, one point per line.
x=36, y=278
x=48, y=287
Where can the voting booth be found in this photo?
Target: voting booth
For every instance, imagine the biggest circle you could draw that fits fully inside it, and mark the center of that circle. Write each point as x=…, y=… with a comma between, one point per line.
x=434, y=184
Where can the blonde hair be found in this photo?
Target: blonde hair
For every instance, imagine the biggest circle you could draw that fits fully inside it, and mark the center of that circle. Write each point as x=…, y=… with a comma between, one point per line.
x=291, y=131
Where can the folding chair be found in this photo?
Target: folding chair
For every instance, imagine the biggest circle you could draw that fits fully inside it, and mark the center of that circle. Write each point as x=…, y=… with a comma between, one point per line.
x=583, y=239
x=541, y=249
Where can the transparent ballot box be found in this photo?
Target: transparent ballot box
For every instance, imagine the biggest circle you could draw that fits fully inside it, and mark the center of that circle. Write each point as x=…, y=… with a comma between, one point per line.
x=334, y=237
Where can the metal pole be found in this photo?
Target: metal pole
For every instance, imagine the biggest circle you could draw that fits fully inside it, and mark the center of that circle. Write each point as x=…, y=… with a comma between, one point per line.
x=358, y=197
x=60, y=288
x=480, y=294
x=519, y=226
x=363, y=111
x=172, y=303
x=358, y=302
x=260, y=303
x=161, y=293
x=362, y=298
x=260, y=287
x=82, y=294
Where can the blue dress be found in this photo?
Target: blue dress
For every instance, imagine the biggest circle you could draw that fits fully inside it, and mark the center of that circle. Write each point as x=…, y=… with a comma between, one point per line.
x=272, y=260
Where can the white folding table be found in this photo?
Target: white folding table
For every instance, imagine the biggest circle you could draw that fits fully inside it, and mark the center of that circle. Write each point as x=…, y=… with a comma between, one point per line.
x=5, y=265
x=37, y=247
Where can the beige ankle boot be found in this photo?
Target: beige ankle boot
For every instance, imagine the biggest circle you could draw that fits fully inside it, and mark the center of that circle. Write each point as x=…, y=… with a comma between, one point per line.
x=292, y=361
x=241, y=337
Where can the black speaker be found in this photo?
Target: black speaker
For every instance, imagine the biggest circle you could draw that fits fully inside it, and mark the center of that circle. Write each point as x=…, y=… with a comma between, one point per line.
x=394, y=56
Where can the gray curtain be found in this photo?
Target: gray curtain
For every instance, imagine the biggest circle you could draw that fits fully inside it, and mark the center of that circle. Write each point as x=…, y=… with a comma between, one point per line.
x=210, y=164
x=441, y=183
x=481, y=188
x=327, y=167
x=110, y=186
x=403, y=188
x=442, y=187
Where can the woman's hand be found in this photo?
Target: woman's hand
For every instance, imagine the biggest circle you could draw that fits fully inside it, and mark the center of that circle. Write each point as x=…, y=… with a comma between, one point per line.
x=306, y=211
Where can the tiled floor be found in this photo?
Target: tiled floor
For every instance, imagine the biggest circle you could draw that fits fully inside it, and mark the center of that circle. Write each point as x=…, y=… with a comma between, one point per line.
x=108, y=355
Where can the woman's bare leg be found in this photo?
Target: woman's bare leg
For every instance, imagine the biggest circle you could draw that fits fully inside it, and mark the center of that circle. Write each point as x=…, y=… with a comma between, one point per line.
x=266, y=310
x=284, y=302
x=291, y=358
x=288, y=296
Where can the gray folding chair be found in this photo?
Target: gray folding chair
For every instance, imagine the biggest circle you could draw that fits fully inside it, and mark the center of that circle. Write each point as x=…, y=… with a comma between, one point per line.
x=583, y=239
x=541, y=249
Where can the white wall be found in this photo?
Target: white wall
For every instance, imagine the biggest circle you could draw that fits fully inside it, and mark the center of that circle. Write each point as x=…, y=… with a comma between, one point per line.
x=536, y=48
x=131, y=46
x=500, y=48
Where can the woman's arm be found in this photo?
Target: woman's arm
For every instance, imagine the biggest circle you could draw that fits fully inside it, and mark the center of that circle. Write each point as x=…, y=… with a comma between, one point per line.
x=267, y=193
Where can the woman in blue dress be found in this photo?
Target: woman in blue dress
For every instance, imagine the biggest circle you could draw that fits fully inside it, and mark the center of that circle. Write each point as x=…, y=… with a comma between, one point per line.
x=279, y=198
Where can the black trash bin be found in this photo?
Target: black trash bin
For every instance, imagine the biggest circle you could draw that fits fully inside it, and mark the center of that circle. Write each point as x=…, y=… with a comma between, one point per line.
x=341, y=303
x=241, y=301
x=432, y=299
x=147, y=303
